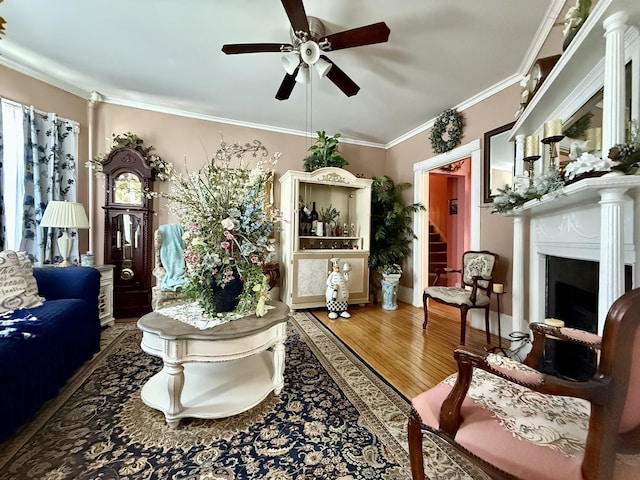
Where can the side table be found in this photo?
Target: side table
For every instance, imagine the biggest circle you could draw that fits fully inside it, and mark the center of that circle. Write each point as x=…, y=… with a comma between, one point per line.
x=105, y=297
x=217, y=372
x=499, y=347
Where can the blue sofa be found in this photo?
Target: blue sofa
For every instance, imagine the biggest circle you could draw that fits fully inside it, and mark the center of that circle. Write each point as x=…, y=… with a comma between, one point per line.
x=41, y=347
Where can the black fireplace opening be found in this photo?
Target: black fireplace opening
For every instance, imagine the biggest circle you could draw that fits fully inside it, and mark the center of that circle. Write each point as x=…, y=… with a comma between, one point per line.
x=572, y=296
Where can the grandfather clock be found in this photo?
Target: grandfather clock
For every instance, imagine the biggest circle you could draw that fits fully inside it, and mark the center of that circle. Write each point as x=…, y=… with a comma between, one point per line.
x=127, y=230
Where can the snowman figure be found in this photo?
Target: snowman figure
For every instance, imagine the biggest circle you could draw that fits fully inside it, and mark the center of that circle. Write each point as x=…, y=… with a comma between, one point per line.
x=337, y=293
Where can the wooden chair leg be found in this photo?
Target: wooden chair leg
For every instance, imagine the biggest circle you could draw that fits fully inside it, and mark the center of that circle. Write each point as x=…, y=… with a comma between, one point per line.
x=415, y=446
x=426, y=313
x=486, y=325
x=463, y=324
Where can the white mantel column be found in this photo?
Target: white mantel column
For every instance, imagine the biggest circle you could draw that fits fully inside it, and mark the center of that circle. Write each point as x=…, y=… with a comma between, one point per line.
x=519, y=169
x=611, y=284
x=517, y=277
x=614, y=79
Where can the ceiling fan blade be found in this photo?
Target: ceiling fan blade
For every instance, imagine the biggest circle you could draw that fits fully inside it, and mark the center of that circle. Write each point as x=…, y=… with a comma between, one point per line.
x=286, y=87
x=234, y=48
x=356, y=37
x=297, y=15
x=341, y=79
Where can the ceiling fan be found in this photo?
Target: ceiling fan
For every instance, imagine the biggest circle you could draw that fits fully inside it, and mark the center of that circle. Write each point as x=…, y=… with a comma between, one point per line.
x=308, y=42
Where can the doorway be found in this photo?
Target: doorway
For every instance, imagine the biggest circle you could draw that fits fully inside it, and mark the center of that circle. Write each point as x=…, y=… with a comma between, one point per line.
x=448, y=220
x=468, y=203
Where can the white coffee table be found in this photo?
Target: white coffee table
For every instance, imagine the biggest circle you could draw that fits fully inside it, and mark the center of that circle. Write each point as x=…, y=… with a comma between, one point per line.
x=214, y=373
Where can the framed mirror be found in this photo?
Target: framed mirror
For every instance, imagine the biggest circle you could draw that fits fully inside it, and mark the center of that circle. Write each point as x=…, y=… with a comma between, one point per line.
x=499, y=161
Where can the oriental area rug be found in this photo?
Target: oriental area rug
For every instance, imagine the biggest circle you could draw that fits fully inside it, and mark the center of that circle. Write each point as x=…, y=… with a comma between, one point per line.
x=335, y=419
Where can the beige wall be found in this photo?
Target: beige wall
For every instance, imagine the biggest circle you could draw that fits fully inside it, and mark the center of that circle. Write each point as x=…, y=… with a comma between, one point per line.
x=178, y=138
x=496, y=231
x=188, y=143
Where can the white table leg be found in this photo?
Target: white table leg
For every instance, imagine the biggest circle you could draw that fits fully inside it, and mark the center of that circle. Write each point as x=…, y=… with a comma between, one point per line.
x=175, y=383
x=278, y=361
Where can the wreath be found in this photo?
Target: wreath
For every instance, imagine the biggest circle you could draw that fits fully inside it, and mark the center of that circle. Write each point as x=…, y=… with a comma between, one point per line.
x=451, y=123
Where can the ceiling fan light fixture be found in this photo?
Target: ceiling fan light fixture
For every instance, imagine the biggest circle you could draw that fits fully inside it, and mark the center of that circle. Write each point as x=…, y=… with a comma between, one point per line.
x=309, y=52
x=323, y=67
x=290, y=62
x=303, y=74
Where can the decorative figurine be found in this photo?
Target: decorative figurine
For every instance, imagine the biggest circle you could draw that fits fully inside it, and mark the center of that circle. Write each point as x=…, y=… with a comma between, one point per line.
x=337, y=291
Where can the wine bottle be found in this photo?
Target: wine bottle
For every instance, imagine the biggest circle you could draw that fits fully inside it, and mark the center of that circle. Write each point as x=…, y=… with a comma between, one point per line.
x=314, y=218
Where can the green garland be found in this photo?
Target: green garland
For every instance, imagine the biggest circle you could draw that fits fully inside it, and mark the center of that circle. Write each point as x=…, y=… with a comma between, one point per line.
x=450, y=122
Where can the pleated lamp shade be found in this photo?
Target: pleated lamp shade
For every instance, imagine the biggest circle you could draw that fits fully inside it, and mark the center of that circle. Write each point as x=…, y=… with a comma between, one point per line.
x=64, y=215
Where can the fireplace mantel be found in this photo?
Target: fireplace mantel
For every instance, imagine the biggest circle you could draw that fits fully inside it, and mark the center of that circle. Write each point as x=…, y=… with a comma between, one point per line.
x=593, y=219
x=579, y=193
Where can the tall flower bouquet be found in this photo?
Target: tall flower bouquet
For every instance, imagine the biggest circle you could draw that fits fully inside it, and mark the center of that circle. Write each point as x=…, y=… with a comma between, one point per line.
x=229, y=223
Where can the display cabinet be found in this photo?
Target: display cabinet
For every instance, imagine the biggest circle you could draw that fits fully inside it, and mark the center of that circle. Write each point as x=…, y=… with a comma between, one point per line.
x=306, y=251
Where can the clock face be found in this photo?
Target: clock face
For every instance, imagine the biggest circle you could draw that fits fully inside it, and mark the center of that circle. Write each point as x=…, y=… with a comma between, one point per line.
x=536, y=76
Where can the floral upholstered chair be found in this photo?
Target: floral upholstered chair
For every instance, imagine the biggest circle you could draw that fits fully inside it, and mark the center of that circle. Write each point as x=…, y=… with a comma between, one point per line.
x=514, y=422
x=474, y=292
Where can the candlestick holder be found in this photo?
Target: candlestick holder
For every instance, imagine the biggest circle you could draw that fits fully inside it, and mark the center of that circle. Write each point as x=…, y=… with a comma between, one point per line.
x=551, y=141
x=531, y=161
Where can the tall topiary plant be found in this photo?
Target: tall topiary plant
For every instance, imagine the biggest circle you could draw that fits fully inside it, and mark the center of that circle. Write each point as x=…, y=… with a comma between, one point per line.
x=324, y=153
x=391, y=223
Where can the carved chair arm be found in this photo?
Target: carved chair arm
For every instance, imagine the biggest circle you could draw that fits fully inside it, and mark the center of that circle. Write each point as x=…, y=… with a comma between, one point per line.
x=513, y=371
x=541, y=331
x=475, y=286
x=440, y=271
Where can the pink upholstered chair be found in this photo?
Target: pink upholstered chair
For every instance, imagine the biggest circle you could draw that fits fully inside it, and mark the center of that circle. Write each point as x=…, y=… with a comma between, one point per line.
x=474, y=292
x=515, y=422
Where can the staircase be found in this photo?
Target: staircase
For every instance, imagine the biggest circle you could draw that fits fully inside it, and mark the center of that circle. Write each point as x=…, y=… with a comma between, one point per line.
x=437, y=255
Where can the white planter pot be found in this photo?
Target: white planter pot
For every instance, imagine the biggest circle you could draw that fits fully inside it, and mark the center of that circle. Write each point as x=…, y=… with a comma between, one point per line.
x=390, y=284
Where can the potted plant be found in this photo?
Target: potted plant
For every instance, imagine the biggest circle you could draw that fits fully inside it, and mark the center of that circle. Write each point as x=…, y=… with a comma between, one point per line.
x=329, y=217
x=324, y=153
x=391, y=229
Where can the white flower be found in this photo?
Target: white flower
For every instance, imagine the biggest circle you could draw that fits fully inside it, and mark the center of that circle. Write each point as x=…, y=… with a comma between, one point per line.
x=587, y=162
x=227, y=223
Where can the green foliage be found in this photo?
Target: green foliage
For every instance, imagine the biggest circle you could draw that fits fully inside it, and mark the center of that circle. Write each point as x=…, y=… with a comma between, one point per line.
x=324, y=153
x=391, y=222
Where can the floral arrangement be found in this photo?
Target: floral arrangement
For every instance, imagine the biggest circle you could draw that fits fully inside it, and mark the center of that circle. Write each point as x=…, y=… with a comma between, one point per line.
x=161, y=169
x=510, y=198
x=627, y=155
x=229, y=224
x=450, y=122
x=586, y=163
x=390, y=269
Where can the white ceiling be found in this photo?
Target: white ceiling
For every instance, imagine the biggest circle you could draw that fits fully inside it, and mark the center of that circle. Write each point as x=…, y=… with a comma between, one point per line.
x=165, y=55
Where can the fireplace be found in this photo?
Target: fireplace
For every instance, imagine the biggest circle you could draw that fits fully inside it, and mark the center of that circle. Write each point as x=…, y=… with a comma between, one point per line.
x=591, y=231
x=572, y=296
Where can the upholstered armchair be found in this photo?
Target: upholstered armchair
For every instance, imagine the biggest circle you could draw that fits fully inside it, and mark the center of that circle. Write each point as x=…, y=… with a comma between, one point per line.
x=474, y=292
x=514, y=422
x=169, y=266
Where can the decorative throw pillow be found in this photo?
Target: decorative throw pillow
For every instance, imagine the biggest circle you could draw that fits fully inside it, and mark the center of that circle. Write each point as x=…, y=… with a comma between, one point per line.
x=27, y=273
x=18, y=288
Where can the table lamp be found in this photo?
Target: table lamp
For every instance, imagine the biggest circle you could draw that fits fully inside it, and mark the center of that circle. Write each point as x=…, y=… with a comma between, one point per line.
x=64, y=215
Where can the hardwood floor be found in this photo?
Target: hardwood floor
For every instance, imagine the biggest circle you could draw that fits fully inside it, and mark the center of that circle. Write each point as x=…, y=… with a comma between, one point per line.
x=394, y=344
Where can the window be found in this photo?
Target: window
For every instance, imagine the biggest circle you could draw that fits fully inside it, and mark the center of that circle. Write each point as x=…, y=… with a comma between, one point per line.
x=13, y=166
